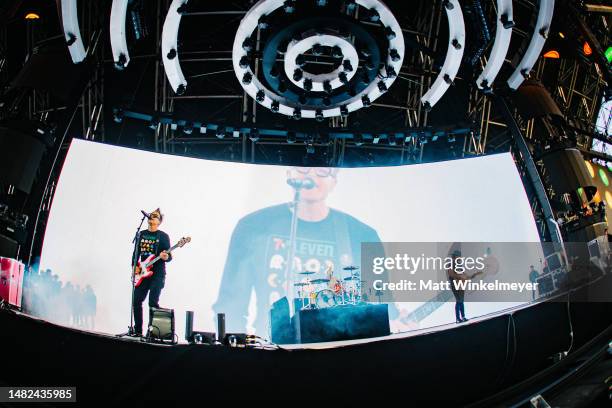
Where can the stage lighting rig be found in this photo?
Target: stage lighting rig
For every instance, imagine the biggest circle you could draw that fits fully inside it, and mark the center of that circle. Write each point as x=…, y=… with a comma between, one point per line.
x=169, y=45
x=72, y=33
x=298, y=87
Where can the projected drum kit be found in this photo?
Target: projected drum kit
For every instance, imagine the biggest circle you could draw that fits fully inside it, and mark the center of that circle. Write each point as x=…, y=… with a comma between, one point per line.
x=330, y=291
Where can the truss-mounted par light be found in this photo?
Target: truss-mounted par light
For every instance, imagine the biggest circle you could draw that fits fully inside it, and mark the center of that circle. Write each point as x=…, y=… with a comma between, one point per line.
x=500, y=47
x=170, y=31
x=118, y=40
x=72, y=33
x=536, y=44
x=454, y=54
x=366, y=70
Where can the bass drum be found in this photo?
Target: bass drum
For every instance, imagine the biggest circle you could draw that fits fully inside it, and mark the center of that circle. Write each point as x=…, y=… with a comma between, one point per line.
x=325, y=298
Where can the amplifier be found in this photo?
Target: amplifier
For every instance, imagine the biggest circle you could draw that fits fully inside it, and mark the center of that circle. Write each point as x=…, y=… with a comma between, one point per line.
x=11, y=281
x=345, y=322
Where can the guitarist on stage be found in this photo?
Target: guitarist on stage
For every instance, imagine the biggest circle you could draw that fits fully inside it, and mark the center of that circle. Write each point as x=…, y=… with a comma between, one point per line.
x=151, y=241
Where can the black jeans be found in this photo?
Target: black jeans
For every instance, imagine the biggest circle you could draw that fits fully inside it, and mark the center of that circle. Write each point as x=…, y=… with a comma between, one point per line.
x=153, y=287
x=459, y=306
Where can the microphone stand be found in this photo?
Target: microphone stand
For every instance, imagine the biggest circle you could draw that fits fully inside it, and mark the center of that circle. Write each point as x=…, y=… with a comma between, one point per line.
x=292, y=237
x=131, y=332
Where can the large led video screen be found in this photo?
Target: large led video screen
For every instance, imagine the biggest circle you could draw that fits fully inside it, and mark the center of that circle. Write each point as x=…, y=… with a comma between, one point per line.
x=238, y=217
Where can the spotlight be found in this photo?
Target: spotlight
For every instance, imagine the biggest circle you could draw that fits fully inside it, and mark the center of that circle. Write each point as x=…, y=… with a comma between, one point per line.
x=376, y=139
x=289, y=6
x=220, y=133
x=261, y=96
x=247, y=44
x=244, y=62
x=389, y=33
x=120, y=63
x=300, y=60
x=308, y=84
x=347, y=66
x=507, y=23
x=321, y=3
x=118, y=115
x=344, y=111
x=154, y=123
x=247, y=78
x=390, y=72
x=71, y=39
x=327, y=86
x=336, y=52
x=456, y=44
x=188, y=129
x=235, y=133
x=181, y=89
x=282, y=86
x=171, y=54
x=317, y=49
x=263, y=24
x=391, y=140
x=254, y=135
x=182, y=9
x=32, y=16
x=358, y=139
x=297, y=113
x=394, y=55
x=448, y=5
x=310, y=149
x=326, y=101
x=365, y=100
x=298, y=74
x=319, y=115
x=203, y=129
x=275, y=107
x=447, y=79
x=382, y=87
x=291, y=137
x=373, y=15
x=343, y=78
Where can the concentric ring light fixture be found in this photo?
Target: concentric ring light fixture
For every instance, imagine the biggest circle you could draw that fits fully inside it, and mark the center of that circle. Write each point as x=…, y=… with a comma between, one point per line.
x=536, y=44
x=169, y=45
x=454, y=54
x=297, y=44
x=501, y=44
x=121, y=56
x=72, y=32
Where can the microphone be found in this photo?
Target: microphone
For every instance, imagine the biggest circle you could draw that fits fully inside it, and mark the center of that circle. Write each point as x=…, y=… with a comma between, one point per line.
x=146, y=214
x=298, y=183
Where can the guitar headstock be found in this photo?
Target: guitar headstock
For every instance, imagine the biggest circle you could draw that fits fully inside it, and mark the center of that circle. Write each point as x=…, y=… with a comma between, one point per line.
x=183, y=241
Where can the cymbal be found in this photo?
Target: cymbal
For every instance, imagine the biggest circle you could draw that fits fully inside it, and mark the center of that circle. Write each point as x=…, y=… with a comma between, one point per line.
x=306, y=273
x=350, y=268
x=316, y=281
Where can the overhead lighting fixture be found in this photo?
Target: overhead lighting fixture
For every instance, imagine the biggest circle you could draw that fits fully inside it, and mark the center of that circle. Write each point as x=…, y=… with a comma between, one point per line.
x=32, y=16
x=118, y=39
x=454, y=54
x=72, y=32
x=538, y=39
x=203, y=129
x=358, y=139
x=608, y=54
x=376, y=139
x=118, y=115
x=220, y=133
x=291, y=138
x=586, y=48
x=154, y=123
x=188, y=129
x=552, y=54
x=500, y=47
x=172, y=66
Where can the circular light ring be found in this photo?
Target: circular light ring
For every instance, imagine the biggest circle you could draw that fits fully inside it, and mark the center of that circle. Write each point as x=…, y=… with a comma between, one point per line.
x=296, y=48
x=172, y=66
x=264, y=7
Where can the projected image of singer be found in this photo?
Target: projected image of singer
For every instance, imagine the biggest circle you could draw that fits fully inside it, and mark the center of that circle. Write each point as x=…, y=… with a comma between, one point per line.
x=259, y=247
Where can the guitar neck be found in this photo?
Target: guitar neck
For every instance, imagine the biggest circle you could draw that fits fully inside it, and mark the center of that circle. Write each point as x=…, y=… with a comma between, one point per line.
x=158, y=257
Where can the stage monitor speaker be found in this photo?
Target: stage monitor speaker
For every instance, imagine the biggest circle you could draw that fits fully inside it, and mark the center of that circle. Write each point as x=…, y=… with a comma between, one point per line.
x=568, y=172
x=346, y=322
x=161, y=325
x=21, y=155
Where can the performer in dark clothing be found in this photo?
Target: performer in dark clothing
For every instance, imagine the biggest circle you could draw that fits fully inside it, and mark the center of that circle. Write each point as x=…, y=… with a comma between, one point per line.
x=151, y=241
x=459, y=294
